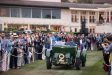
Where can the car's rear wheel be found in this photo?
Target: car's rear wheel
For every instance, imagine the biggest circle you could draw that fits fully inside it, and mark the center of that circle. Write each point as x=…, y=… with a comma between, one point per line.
x=48, y=63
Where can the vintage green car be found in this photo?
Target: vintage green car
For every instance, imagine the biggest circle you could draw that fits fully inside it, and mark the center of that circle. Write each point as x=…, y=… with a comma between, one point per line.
x=65, y=56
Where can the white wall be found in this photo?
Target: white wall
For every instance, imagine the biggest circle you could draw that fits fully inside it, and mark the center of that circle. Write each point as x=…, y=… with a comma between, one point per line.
x=31, y=21
x=44, y=0
x=104, y=28
x=65, y=20
x=66, y=16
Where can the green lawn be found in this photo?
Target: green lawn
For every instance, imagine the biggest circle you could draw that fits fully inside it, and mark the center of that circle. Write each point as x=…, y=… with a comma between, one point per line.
x=96, y=69
x=93, y=67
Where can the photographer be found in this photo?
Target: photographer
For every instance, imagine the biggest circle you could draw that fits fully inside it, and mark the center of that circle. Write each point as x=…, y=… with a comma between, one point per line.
x=107, y=46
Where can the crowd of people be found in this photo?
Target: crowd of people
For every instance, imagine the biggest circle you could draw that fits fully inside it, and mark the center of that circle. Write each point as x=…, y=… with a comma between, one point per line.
x=16, y=50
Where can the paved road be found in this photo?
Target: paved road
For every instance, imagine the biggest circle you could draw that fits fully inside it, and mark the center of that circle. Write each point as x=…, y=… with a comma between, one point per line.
x=93, y=67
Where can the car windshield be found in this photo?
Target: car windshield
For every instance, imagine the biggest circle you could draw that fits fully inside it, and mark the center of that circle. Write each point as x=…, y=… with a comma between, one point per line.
x=65, y=43
x=71, y=43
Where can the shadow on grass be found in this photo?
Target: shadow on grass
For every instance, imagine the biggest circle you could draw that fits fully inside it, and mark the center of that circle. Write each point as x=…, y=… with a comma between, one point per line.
x=42, y=65
x=63, y=68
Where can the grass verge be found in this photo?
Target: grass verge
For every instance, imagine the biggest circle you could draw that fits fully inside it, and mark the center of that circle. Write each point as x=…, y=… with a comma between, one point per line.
x=96, y=69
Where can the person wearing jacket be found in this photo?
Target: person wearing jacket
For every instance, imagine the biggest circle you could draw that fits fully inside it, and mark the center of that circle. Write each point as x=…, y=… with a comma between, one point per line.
x=107, y=48
x=6, y=49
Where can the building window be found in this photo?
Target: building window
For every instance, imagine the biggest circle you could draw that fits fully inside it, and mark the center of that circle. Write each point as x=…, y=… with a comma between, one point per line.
x=36, y=13
x=107, y=20
x=75, y=29
x=83, y=18
x=92, y=13
x=90, y=30
x=15, y=12
x=46, y=13
x=101, y=17
x=4, y=12
x=74, y=17
x=26, y=12
x=92, y=17
x=102, y=13
x=56, y=13
x=83, y=12
x=74, y=12
x=93, y=30
x=111, y=16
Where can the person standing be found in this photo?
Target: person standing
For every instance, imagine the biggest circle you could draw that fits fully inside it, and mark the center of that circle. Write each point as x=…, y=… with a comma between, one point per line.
x=13, y=58
x=48, y=43
x=107, y=48
x=22, y=46
x=9, y=49
x=36, y=46
x=20, y=57
x=32, y=47
x=29, y=56
x=6, y=52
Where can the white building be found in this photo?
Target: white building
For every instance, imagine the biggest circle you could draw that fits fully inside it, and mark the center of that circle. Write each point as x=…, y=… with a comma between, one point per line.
x=43, y=15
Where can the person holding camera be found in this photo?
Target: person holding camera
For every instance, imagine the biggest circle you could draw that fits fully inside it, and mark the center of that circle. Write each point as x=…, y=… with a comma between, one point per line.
x=107, y=46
